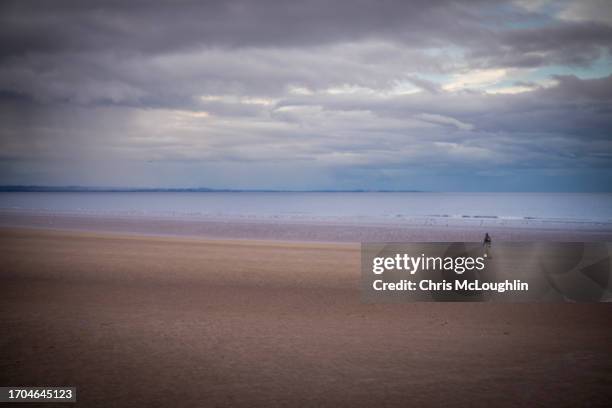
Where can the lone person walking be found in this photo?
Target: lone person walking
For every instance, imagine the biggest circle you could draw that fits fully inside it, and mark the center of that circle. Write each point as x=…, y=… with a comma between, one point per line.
x=486, y=244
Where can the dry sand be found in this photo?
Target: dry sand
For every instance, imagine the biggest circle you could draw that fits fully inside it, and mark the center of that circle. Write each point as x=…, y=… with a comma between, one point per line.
x=151, y=321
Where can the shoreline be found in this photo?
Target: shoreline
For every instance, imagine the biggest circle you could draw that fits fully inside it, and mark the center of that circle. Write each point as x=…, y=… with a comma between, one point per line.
x=296, y=230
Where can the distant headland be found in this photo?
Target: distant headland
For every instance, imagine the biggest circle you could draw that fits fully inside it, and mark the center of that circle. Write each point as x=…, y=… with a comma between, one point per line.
x=84, y=189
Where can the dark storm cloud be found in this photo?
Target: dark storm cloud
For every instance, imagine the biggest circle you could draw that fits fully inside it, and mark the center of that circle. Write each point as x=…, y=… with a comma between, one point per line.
x=138, y=26
x=574, y=43
x=129, y=52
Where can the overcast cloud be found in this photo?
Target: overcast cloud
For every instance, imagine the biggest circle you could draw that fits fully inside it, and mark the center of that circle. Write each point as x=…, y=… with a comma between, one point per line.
x=429, y=95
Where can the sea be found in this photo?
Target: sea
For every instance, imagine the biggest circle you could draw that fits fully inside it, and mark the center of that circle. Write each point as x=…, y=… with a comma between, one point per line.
x=352, y=207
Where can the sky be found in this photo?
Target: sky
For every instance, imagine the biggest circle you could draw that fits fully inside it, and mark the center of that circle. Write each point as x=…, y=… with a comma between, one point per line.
x=308, y=95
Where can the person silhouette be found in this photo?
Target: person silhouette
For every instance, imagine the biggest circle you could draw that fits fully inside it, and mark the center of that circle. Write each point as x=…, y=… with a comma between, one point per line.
x=486, y=244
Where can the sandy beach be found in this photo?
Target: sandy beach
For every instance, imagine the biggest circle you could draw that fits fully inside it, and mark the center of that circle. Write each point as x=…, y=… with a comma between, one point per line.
x=134, y=320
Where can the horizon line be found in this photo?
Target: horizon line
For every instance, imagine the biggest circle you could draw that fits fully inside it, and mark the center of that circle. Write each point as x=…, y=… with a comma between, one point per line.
x=25, y=188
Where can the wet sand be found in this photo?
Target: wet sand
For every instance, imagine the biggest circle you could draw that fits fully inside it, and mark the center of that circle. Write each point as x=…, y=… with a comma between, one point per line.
x=169, y=321
x=312, y=230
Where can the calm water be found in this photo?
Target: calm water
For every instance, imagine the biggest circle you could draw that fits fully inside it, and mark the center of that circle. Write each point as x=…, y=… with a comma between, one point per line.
x=356, y=206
